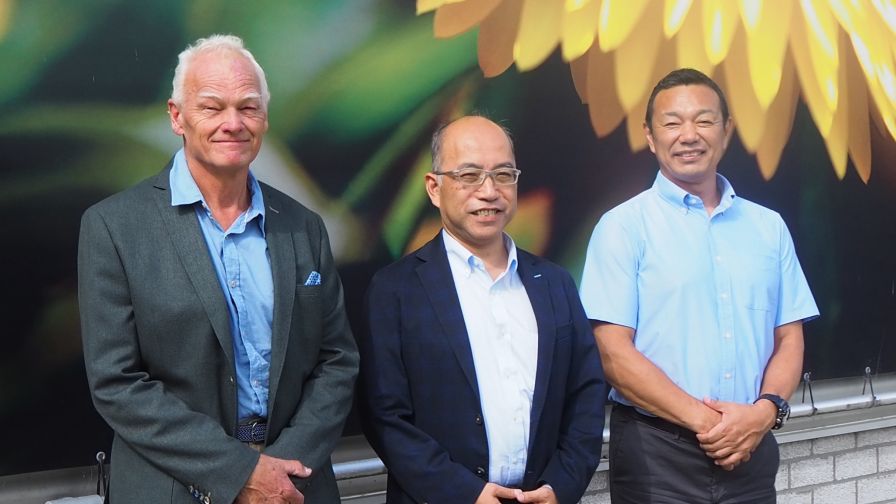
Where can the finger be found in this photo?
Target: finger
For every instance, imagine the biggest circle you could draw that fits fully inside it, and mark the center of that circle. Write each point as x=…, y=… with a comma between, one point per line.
x=296, y=468
x=542, y=494
x=504, y=492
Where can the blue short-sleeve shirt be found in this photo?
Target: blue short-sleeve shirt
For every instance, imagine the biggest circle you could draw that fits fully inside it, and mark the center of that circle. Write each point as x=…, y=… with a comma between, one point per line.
x=703, y=293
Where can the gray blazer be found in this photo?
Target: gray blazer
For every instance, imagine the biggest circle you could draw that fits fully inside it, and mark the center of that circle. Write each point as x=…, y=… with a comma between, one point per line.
x=159, y=354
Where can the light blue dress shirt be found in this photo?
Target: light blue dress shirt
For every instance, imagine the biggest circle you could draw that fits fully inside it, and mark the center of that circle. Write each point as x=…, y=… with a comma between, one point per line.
x=503, y=337
x=703, y=293
x=240, y=257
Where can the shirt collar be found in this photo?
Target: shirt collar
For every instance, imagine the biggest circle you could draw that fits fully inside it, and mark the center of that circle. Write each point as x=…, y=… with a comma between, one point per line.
x=459, y=254
x=184, y=190
x=684, y=200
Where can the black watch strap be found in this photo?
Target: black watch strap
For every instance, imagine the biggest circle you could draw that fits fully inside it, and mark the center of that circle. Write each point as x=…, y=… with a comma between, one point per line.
x=783, y=409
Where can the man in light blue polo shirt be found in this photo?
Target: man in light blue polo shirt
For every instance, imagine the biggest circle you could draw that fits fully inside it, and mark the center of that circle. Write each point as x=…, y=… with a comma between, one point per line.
x=697, y=301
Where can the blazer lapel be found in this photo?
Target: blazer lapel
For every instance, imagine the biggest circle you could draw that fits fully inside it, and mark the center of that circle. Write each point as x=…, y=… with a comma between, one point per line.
x=435, y=275
x=282, y=247
x=538, y=290
x=186, y=235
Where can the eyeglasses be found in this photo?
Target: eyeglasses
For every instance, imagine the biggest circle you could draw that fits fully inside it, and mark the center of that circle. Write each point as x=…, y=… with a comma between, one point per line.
x=476, y=176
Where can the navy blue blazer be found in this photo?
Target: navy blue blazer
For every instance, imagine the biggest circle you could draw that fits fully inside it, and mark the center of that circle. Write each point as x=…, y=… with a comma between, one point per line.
x=419, y=398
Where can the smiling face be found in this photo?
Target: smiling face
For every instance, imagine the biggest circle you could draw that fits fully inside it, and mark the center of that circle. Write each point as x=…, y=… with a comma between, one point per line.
x=474, y=215
x=689, y=135
x=222, y=118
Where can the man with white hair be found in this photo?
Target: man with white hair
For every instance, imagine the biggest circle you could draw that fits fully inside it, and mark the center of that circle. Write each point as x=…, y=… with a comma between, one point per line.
x=215, y=337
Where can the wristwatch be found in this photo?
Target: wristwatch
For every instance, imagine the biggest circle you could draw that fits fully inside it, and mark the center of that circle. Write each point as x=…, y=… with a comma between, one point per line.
x=783, y=409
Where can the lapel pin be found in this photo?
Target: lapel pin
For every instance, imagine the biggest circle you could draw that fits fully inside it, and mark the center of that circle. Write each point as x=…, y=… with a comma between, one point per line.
x=537, y=276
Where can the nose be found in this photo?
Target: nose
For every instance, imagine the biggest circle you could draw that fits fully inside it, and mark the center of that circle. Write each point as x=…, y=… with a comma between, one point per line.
x=232, y=120
x=688, y=132
x=487, y=189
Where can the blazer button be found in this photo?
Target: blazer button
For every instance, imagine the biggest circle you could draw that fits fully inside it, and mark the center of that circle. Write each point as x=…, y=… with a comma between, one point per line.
x=478, y=420
x=480, y=472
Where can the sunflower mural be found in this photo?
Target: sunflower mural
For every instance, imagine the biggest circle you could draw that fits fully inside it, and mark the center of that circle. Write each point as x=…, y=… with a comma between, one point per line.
x=358, y=87
x=837, y=55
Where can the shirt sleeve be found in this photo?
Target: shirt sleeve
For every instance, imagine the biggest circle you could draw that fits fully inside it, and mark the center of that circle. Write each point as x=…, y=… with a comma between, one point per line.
x=795, y=301
x=609, y=288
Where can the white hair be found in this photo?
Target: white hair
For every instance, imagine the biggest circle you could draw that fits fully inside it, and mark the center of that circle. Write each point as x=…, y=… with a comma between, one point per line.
x=216, y=42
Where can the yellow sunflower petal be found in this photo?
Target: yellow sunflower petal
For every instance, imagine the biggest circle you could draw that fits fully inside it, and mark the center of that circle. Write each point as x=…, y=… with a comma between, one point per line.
x=674, y=13
x=635, y=60
x=719, y=25
x=497, y=35
x=821, y=29
x=540, y=26
x=424, y=6
x=809, y=83
x=859, y=130
x=531, y=227
x=751, y=13
x=617, y=20
x=689, y=48
x=580, y=19
x=634, y=127
x=745, y=108
x=454, y=19
x=766, y=46
x=603, y=105
x=578, y=68
x=887, y=11
x=837, y=140
x=780, y=122
x=5, y=16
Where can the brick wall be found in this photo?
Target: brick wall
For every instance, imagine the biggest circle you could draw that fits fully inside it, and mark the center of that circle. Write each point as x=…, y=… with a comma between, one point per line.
x=853, y=468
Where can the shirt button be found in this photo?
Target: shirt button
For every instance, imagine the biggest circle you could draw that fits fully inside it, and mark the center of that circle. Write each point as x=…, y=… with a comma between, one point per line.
x=233, y=283
x=727, y=376
x=724, y=295
x=727, y=334
x=718, y=258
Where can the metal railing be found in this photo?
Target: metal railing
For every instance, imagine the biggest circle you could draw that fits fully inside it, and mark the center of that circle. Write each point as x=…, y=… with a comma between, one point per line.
x=817, y=409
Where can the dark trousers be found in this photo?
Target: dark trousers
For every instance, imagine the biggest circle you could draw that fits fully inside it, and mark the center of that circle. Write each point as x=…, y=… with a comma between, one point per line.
x=653, y=461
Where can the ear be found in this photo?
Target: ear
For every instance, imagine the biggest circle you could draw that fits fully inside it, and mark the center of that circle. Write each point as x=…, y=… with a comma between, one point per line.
x=175, y=116
x=649, y=135
x=729, y=130
x=433, y=188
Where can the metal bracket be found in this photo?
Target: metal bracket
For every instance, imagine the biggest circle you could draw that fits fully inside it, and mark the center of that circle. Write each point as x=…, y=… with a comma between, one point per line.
x=807, y=383
x=870, y=384
x=102, y=480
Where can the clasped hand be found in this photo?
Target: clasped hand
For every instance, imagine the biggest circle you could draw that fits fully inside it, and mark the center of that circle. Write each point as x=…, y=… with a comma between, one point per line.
x=733, y=439
x=270, y=483
x=492, y=492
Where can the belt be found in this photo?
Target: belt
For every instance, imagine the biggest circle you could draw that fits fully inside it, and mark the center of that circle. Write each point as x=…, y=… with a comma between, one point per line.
x=252, y=430
x=655, y=422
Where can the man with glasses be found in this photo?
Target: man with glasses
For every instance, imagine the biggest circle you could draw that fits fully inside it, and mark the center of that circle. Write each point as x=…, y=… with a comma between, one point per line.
x=697, y=301
x=480, y=379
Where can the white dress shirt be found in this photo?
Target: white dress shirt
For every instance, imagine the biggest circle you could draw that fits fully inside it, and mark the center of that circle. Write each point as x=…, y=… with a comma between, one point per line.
x=504, y=339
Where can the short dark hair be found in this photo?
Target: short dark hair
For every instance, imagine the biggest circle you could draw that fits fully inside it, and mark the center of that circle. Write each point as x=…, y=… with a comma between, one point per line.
x=436, y=146
x=685, y=77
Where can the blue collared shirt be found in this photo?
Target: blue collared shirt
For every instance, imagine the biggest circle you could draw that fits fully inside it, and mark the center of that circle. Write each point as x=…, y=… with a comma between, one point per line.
x=240, y=257
x=503, y=337
x=703, y=293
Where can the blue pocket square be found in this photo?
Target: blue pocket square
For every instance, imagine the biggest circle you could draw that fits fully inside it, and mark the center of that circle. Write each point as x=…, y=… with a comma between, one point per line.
x=313, y=278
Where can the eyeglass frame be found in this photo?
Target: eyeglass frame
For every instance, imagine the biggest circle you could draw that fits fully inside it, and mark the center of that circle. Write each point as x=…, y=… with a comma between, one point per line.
x=483, y=174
